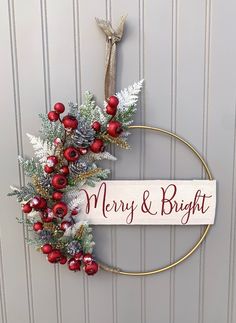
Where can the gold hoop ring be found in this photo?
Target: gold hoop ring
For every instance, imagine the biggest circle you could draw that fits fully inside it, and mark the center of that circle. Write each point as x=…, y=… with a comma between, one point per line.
x=202, y=237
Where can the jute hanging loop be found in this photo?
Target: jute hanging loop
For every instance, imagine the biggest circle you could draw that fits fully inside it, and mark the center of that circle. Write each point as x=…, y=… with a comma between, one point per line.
x=112, y=37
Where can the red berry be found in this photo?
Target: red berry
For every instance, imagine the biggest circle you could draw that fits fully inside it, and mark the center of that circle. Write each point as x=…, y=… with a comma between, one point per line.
x=48, y=169
x=111, y=110
x=71, y=154
x=87, y=258
x=74, y=212
x=78, y=255
x=57, y=196
x=64, y=170
x=91, y=268
x=83, y=151
x=113, y=101
x=42, y=204
x=59, y=181
x=97, y=146
x=70, y=122
x=74, y=264
x=60, y=209
x=52, y=161
x=54, y=256
x=63, y=260
x=53, y=116
x=59, y=107
x=26, y=208
x=65, y=225
x=47, y=216
x=96, y=126
x=38, y=226
x=46, y=248
x=114, y=128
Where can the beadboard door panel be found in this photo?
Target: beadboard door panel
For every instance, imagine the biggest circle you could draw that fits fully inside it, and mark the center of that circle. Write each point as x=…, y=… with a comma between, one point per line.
x=185, y=50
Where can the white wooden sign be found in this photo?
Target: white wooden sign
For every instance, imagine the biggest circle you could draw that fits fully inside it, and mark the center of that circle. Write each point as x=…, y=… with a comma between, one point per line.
x=159, y=202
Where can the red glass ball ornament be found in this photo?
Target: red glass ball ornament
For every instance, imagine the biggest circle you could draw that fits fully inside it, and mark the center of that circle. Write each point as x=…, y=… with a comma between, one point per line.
x=65, y=225
x=52, y=161
x=97, y=146
x=83, y=151
x=74, y=212
x=113, y=101
x=47, y=215
x=26, y=208
x=70, y=122
x=54, y=256
x=57, y=196
x=114, y=128
x=64, y=170
x=46, y=248
x=74, y=264
x=78, y=255
x=59, y=107
x=63, y=260
x=96, y=126
x=91, y=268
x=48, y=169
x=87, y=258
x=111, y=110
x=38, y=226
x=53, y=116
x=60, y=209
x=59, y=181
x=71, y=154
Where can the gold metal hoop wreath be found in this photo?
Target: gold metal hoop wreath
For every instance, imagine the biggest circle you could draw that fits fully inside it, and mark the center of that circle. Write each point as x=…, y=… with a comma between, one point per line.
x=206, y=229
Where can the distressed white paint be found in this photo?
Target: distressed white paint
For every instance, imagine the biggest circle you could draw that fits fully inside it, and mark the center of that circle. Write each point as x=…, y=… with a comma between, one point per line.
x=53, y=51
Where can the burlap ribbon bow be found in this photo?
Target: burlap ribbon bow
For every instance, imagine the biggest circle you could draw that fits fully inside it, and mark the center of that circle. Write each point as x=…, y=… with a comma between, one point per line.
x=112, y=37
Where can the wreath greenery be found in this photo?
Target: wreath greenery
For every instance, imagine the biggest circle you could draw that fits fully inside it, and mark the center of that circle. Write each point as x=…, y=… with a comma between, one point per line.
x=67, y=154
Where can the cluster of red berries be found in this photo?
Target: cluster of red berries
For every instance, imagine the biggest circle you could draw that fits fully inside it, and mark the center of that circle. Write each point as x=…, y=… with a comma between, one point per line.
x=74, y=263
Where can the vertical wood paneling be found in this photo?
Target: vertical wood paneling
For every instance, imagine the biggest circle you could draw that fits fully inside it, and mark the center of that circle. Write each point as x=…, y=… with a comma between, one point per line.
x=53, y=51
x=220, y=155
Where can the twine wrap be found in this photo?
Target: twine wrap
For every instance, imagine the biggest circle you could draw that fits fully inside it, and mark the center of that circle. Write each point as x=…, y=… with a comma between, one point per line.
x=112, y=37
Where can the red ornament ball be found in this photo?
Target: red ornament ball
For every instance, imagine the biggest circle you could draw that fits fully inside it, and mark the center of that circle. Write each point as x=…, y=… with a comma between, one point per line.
x=113, y=101
x=59, y=107
x=57, y=196
x=65, y=225
x=74, y=264
x=53, y=116
x=63, y=260
x=42, y=204
x=74, y=212
x=48, y=169
x=60, y=209
x=47, y=216
x=52, y=161
x=70, y=122
x=46, y=248
x=97, y=146
x=114, y=128
x=59, y=181
x=38, y=226
x=26, y=208
x=71, y=154
x=87, y=258
x=111, y=110
x=54, y=256
x=96, y=126
x=35, y=202
x=64, y=170
x=78, y=255
x=91, y=268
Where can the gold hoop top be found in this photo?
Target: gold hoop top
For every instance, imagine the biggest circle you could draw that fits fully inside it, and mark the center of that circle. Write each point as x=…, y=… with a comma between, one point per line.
x=202, y=237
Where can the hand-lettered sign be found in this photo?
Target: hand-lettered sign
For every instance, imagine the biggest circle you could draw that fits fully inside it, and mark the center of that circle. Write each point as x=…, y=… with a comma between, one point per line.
x=160, y=202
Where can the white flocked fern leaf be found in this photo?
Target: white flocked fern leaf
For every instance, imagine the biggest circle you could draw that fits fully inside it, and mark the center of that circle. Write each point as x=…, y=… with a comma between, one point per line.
x=42, y=149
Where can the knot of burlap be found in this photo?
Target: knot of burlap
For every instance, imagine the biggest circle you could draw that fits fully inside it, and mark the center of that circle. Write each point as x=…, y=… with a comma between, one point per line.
x=112, y=38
